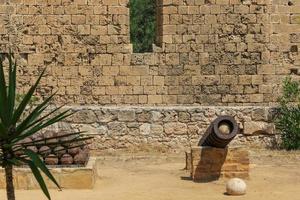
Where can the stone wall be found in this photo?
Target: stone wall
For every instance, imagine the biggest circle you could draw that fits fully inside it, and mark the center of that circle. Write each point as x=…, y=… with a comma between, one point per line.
x=164, y=127
x=209, y=52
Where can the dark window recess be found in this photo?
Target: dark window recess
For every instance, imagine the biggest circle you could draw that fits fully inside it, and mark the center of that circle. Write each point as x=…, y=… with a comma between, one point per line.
x=294, y=71
x=142, y=25
x=294, y=48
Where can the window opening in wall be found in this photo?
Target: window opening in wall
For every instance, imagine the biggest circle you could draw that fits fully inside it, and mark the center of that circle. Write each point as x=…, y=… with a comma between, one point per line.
x=142, y=25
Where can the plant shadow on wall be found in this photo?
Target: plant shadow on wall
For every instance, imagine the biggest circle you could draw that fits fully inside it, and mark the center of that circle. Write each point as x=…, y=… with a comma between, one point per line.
x=17, y=123
x=142, y=24
x=287, y=120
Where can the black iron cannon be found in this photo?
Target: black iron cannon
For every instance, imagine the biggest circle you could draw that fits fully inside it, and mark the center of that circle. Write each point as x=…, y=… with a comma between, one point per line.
x=220, y=132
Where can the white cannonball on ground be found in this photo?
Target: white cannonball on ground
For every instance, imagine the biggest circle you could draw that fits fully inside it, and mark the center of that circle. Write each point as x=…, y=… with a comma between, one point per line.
x=224, y=128
x=236, y=186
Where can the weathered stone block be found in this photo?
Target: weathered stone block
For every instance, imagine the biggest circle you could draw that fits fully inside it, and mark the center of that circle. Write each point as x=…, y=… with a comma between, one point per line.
x=254, y=127
x=209, y=163
x=175, y=128
x=67, y=178
x=87, y=116
x=81, y=179
x=36, y=59
x=126, y=115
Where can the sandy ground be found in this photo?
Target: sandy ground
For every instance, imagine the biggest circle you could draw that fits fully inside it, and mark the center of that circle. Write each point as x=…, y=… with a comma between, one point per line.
x=274, y=175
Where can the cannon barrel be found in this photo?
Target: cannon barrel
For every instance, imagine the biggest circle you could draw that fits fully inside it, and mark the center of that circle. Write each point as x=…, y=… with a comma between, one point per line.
x=218, y=136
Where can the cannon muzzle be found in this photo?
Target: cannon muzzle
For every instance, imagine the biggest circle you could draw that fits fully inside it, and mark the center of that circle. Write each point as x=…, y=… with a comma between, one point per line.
x=220, y=132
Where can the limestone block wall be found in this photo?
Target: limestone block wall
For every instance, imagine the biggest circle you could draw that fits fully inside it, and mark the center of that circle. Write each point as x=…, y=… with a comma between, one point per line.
x=209, y=52
x=82, y=43
x=229, y=51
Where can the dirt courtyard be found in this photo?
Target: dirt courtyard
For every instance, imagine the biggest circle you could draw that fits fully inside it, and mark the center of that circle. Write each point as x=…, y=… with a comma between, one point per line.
x=274, y=175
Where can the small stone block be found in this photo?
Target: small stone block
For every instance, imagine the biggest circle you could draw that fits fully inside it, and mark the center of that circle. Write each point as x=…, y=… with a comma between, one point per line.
x=209, y=163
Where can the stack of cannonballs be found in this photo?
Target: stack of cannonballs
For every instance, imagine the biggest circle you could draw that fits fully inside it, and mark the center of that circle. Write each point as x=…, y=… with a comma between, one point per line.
x=64, y=154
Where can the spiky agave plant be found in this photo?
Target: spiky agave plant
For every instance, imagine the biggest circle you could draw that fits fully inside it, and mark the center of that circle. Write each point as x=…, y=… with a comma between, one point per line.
x=15, y=127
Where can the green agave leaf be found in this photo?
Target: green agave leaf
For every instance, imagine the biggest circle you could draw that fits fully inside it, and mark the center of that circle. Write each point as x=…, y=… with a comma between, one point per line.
x=43, y=118
x=38, y=177
x=3, y=96
x=1, y=156
x=70, y=141
x=41, y=152
x=14, y=161
x=58, y=118
x=40, y=164
x=3, y=131
x=33, y=115
x=11, y=85
x=42, y=125
x=44, y=141
x=26, y=100
x=68, y=148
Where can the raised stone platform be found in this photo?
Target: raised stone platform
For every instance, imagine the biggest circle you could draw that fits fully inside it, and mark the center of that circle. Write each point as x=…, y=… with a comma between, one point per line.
x=209, y=163
x=67, y=177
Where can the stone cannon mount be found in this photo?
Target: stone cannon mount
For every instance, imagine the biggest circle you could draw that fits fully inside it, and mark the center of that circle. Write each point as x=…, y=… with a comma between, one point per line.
x=213, y=159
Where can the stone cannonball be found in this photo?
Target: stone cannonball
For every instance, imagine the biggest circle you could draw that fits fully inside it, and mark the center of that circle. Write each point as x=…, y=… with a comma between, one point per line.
x=59, y=151
x=74, y=151
x=81, y=158
x=236, y=186
x=26, y=140
x=51, y=159
x=224, y=128
x=45, y=151
x=66, y=159
x=33, y=148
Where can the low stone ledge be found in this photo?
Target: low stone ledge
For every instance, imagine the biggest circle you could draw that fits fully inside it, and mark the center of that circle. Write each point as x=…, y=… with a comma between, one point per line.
x=167, y=127
x=67, y=177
